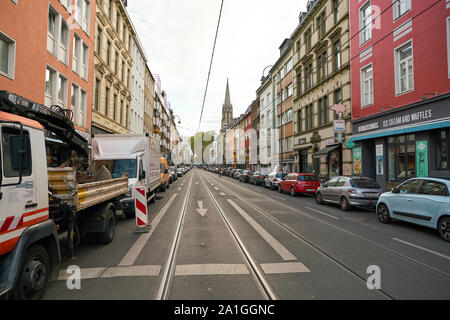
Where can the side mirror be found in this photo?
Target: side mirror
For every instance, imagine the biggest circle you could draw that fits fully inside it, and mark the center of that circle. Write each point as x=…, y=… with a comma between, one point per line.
x=142, y=175
x=325, y=185
x=395, y=190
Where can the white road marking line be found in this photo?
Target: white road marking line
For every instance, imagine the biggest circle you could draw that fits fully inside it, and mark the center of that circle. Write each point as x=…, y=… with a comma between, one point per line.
x=222, y=194
x=278, y=197
x=196, y=183
x=137, y=247
x=325, y=214
x=88, y=273
x=114, y=272
x=285, y=267
x=179, y=189
x=210, y=269
x=216, y=188
x=274, y=243
x=131, y=271
x=422, y=248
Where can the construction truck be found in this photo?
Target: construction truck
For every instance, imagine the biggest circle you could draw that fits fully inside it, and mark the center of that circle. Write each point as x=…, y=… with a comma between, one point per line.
x=45, y=212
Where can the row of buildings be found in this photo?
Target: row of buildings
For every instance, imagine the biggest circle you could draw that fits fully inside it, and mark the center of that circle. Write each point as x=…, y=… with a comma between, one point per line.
x=360, y=87
x=86, y=56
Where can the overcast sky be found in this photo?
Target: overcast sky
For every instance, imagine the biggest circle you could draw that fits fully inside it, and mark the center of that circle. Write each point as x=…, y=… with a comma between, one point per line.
x=178, y=37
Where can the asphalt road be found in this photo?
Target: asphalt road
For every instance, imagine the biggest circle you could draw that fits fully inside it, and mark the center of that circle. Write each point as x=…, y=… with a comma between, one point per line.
x=213, y=237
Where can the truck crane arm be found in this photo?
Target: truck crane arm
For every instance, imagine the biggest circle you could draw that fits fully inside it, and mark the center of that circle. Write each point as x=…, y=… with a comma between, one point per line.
x=56, y=119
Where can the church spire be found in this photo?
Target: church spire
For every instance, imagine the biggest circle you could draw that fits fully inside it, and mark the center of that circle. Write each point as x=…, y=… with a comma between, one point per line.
x=227, y=97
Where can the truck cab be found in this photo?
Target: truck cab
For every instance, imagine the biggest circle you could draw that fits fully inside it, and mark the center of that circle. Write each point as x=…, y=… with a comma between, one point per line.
x=24, y=209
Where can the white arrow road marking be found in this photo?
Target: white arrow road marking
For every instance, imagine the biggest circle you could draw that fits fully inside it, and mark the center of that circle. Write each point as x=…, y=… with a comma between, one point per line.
x=200, y=209
x=196, y=183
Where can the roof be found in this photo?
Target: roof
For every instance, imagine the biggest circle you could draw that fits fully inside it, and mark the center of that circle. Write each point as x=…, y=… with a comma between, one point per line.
x=5, y=116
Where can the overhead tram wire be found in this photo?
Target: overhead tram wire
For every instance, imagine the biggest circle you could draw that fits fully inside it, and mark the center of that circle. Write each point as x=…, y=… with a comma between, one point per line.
x=210, y=65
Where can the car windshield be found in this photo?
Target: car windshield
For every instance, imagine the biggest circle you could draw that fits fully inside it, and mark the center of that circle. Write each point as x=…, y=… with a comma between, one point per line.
x=307, y=178
x=124, y=166
x=364, y=184
x=171, y=169
x=280, y=175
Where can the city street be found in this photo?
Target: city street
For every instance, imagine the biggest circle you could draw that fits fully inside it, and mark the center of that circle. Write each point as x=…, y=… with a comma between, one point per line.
x=214, y=237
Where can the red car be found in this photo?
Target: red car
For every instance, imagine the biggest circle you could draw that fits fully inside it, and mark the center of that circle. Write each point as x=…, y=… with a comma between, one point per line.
x=296, y=183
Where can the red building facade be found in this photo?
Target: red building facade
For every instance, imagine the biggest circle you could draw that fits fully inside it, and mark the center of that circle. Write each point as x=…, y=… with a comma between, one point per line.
x=400, y=74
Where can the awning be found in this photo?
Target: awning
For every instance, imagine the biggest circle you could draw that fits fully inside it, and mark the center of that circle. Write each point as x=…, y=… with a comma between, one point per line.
x=325, y=151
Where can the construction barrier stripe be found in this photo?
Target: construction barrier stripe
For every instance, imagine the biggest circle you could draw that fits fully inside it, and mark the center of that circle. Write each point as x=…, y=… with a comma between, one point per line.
x=141, y=207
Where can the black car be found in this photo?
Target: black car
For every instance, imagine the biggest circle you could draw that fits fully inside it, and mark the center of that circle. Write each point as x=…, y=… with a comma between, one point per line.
x=257, y=178
x=245, y=176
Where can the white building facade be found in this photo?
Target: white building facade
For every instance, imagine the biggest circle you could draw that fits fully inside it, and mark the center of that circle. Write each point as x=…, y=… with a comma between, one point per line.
x=137, y=80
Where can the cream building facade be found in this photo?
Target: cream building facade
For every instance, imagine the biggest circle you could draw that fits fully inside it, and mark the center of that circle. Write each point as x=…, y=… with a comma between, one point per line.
x=322, y=80
x=113, y=62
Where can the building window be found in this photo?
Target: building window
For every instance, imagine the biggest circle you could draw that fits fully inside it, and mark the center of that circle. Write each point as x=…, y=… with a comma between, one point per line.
x=62, y=90
x=299, y=121
x=97, y=94
x=336, y=11
x=323, y=111
x=337, y=100
x=404, y=69
x=307, y=39
x=401, y=157
x=321, y=25
x=50, y=81
x=401, y=7
x=309, y=117
x=367, y=86
x=337, y=55
x=289, y=115
x=365, y=22
x=7, y=56
x=322, y=66
x=51, y=30
x=442, y=143
x=98, y=44
x=308, y=77
x=106, y=101
x=85, y=62
x=108, y=54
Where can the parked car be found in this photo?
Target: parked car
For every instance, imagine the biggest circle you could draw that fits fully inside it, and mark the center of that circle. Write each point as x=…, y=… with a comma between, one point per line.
x=245, y=176
x=348, y=192
x=295, y=183
x=257, y=178
x=173, y=174
x=237, y=173
x=422, y=201
x=273, y=179
x=179, y=172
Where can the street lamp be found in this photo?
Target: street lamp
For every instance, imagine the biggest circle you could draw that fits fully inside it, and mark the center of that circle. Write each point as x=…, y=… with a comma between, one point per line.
x=179, y=120
x=262, y=77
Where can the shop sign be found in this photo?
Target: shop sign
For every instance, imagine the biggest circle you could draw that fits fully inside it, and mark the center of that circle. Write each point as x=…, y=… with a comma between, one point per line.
x=422, y=158
x=339, y=125
x=357, y=161
x=406, y=116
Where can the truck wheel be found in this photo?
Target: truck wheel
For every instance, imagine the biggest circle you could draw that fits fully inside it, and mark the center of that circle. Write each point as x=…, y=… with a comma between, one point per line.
x=33, y=275
x=107, y=236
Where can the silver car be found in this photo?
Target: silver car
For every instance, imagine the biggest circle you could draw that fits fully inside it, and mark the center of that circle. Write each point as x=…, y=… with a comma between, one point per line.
x=350, y=192
x=273, y=180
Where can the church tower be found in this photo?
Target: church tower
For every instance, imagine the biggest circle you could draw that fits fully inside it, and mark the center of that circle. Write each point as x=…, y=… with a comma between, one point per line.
x=227, y=109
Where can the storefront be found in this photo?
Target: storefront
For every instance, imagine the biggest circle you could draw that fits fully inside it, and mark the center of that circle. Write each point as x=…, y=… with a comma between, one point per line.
x=397, y=145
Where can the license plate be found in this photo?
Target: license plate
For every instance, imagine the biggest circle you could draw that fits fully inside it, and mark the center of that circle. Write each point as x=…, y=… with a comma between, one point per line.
x=371, y=194
x=310, y=190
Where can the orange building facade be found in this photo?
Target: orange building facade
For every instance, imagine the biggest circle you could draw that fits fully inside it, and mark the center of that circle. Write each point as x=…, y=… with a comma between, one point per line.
x=47, y=54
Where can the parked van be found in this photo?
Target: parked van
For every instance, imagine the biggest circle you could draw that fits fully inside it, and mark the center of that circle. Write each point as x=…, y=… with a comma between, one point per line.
x=165, y=174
